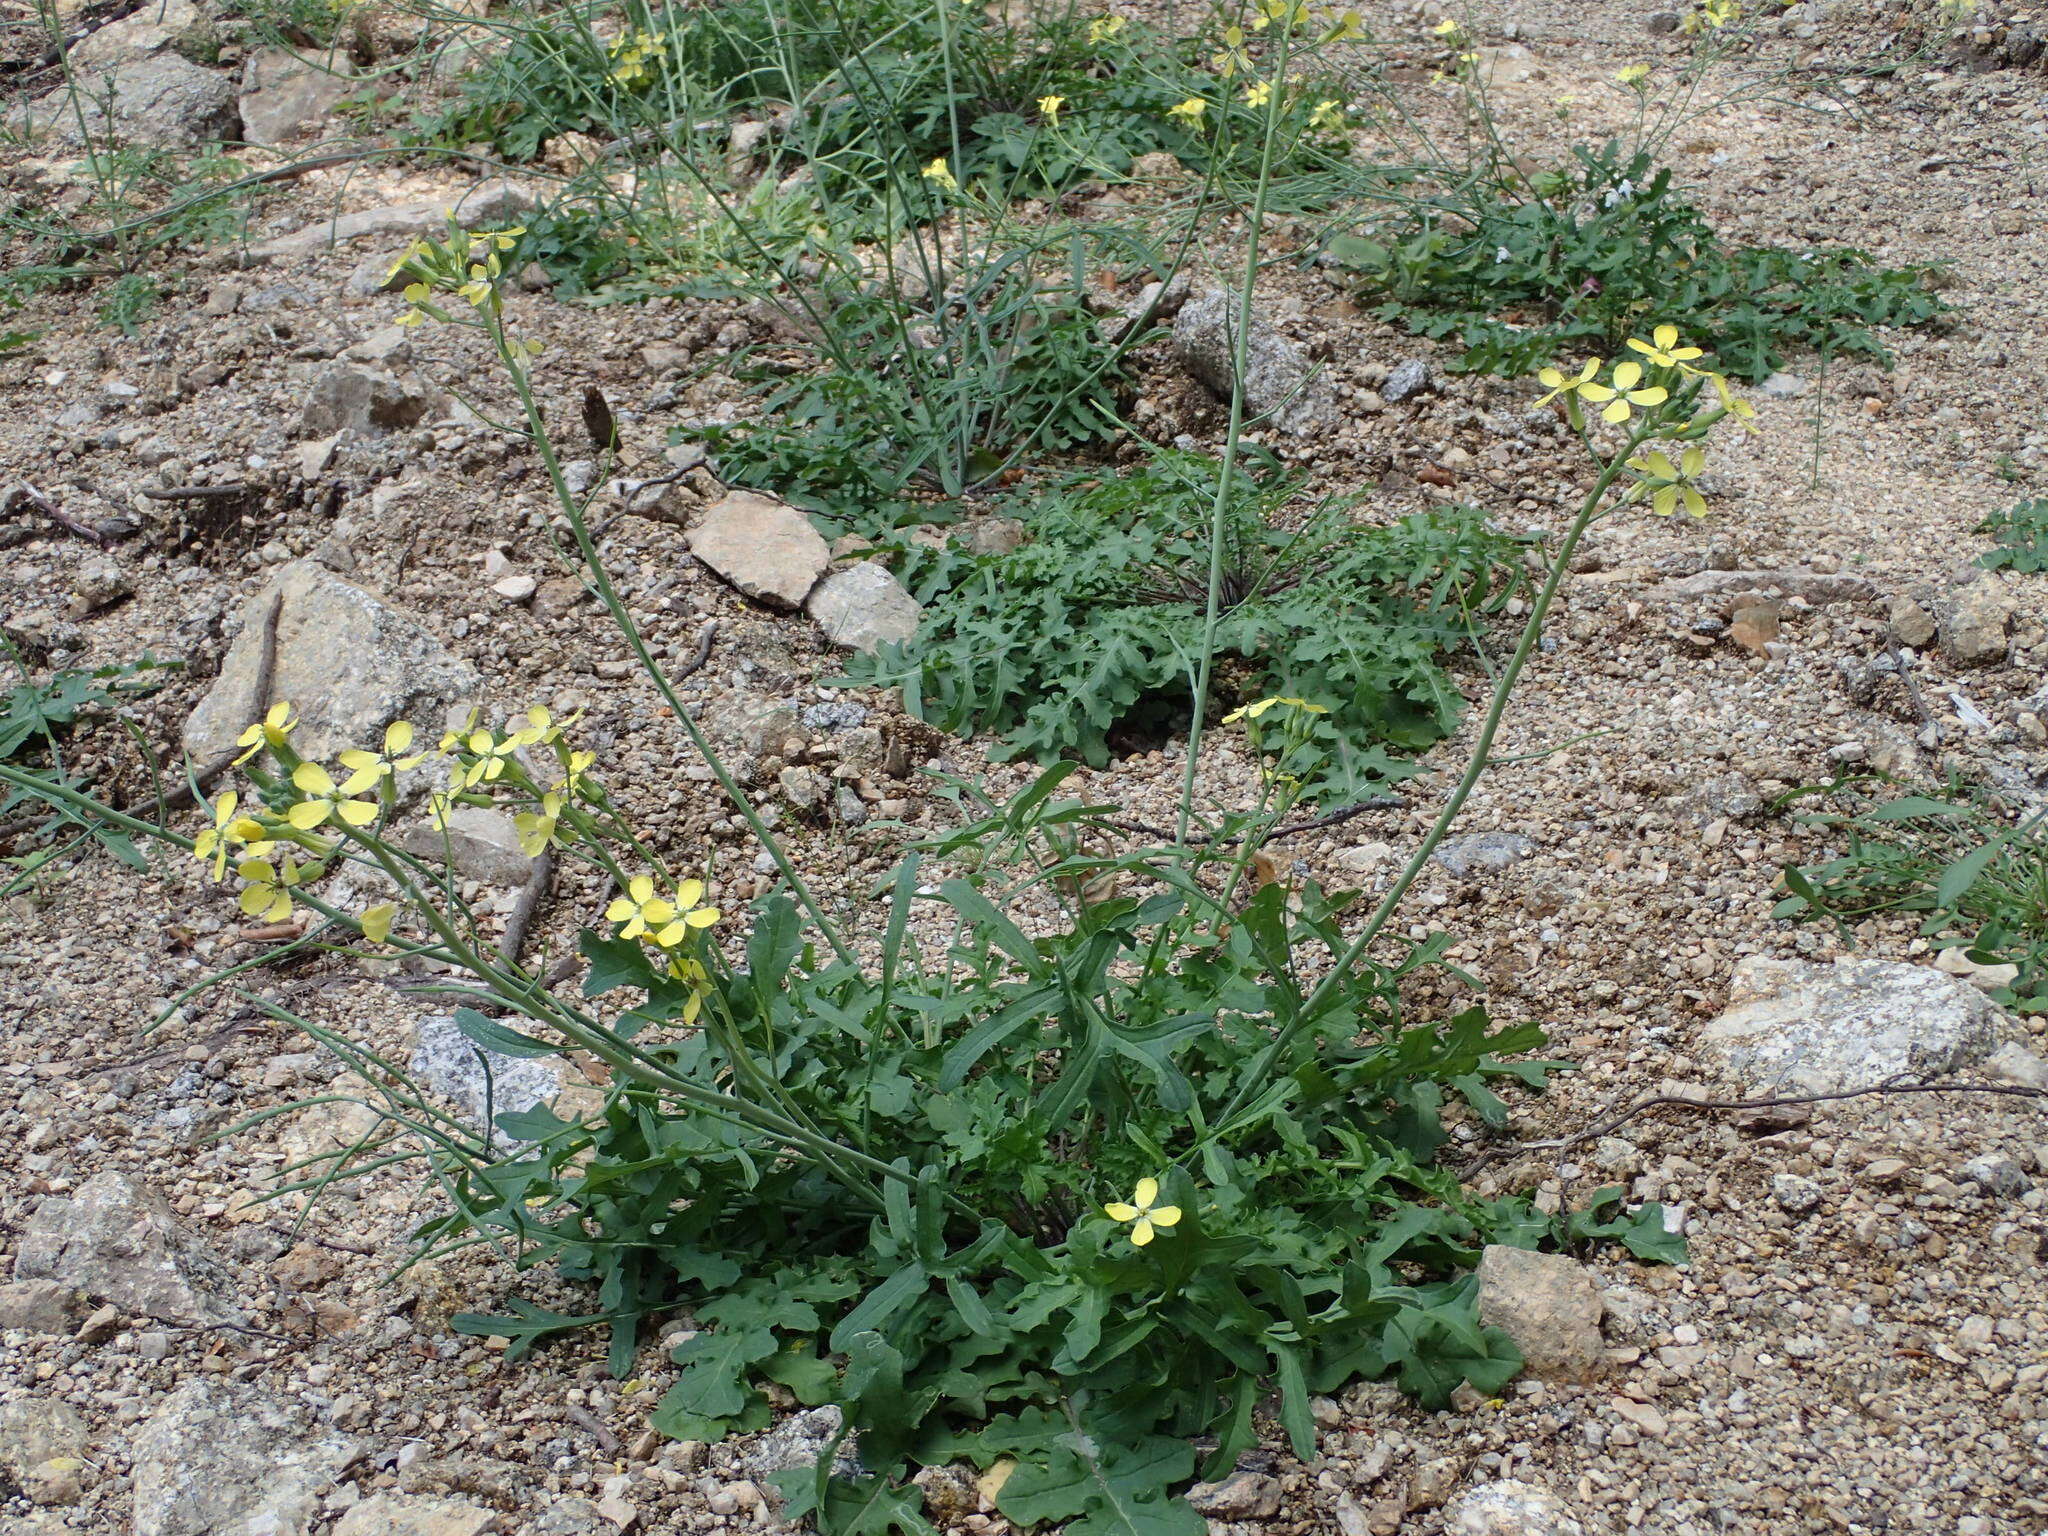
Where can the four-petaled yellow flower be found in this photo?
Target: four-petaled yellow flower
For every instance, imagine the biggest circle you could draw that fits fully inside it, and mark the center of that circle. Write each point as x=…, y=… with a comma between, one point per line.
x=1328, y=114
x=1623, y=393
x=492, y=753
x=640, y=909
x=536, y=829
x=1254, y=711
x=268, y=895
x=1189, y=111
x=1258, y=95
x=689, y=916
x=1145, y=1217
x=939, y=174
x=276, y=726
x=330, y=799
x=1633, y=74
x=1050, y=106
x=541, y=728
x=1448, y=29
x=227, y=830
x=388, y=763
x=1560, y=384
x=1668, y=483
x=1103, y=28
x=573, y=772
x=478, y=289
x=1663, y=348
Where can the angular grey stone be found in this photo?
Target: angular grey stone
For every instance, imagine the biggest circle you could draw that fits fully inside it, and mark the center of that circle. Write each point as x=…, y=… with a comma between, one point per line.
x=1240, y=1496
x=487, y=205
x=120, y=1241
x=864, y=607
x=764, y=547
x=1279, y=380
x=1911, y=624
x=354, y=397
x=402, y=1514
x=1795, y=1194
x=149, y=30
x=34, y=1430
x=482, y=1084
x=479, y=842
x=1548, y=1304
x=159, y=100
x=992, y=535
x=40, y=1306
x=1796, y=1027
x=1476, y=851
x=225, y=1459
x=287, y=97
x=1996, y=1174
x=1411, y=377
x=348, y=663
x=1974, y=625
x=1510, y=1507
x=1816, y=587
x=798, y=1441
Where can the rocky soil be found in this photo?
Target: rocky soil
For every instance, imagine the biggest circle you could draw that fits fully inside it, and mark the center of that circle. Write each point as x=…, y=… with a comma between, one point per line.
x=1860, y=1341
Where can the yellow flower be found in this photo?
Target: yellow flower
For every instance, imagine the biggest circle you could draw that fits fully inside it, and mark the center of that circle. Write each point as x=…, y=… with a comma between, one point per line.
x=1670, y=483
x=541, y=728
x=939, y=174
x=228, y=829
x=1345, y=29
x=537, y=828
x=385, y=764
x=330, y=799
x=1190, y=111
x=1254, y=711
x=478, y=289
x=1663, y=348
x=1050, y=106
x=491, y=754
x=689, y=916
x=1732, y=403
x=1258, y=95
x=417, y=248
x=1448, y=27
x=1561, y=385
x=496, y=239
x=1103, y=28
x=276, y=726
x=1145, y=1217
x=376, y=921
x=1623, y=394
x=1633, y=74
x=268, y=895
x=640, y=909
x=1328, y=114
x=691, y=973
x=573, y=772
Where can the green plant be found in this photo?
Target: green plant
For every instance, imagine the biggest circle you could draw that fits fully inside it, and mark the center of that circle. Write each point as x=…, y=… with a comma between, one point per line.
x=129, y=300
x=34, y=718
x=1979, y=875
x=1522, y=272
x=2020, y=537
x=1086, y=634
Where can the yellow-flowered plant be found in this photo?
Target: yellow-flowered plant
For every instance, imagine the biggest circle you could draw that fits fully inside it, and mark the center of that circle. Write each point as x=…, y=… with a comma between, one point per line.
x=231, y=829
x=1667, y=484
x=1103, y=28
x=273, y=731
x=1623, y=392
x=1190, y=111
x=1327, y=114
x=1049, y=107
x=1632, y=75
x=1258, y=93
x=382, y=765
x=267, y=896
x=636, y=57
x=665, y=921
x=940, y=175
x=469, y=265
x=1142, y=1212
x=1710, y=16
x=325, y=798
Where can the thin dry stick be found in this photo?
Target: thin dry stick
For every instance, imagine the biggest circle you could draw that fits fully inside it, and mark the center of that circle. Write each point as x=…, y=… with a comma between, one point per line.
x=198, y=492
x=1333, y=818
x=1601, y=1127
x=24, y=494
x=521, y=916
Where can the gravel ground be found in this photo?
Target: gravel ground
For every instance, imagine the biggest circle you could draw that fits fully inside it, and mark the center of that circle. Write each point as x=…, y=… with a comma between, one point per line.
x=1860, y=1343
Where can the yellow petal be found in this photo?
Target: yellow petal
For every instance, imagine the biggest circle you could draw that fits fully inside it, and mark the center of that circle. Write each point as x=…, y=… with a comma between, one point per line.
x=1641, y=346
x=254, y=899
x=1166, y=1216
x=619, y=910
x=279, y=909
x=1616, y=412
x=640, y=887
x=397, y=736
x=1141, y=1234
x=657, y=913
x=1116, y=1210
x=1627, y=375
x=357, y=813
x=1656, y=394
x=1148, y=1191
x=703, y=917
x=313, y=779
x=308, y=814
x=1596, y=392
x=376, y=922
x=689, y=893
x=279, y=714
x=1551, y=377
x=364, y=778
x=224, y=808
x=1667, y=337
x=672, y=935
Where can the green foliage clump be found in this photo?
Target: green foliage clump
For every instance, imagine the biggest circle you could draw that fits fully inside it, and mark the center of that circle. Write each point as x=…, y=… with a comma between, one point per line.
x=2020, y=537
x=1980, y=878
x=995, y=1298
x=1579, y=259
x=1087, y=631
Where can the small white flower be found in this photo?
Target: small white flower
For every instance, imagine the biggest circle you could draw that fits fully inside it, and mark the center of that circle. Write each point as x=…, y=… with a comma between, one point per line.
x=1500, y=255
